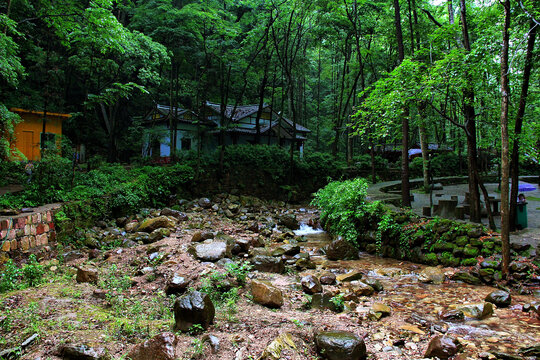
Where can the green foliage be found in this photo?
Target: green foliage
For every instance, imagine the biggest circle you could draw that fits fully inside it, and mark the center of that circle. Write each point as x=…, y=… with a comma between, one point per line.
x=13, y=278
x=338, y=302
x=344, y=208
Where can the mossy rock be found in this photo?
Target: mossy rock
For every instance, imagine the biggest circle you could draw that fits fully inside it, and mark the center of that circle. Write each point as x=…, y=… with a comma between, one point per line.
x=431, y=259
x=469, y=262
x=470, y=252
x=486, y=252
x=486, y=272
x=449, y=261
x=475, y=231
x=457, y=252
x=476, y=242
x=489, y=245
x=443, y=246
x=462, y=241
x=497, y=241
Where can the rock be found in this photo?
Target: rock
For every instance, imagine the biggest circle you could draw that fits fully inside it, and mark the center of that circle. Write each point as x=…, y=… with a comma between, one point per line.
x=266, y=294
x=311, y=285
x=432, y=275
x=177, y=285
x=341, y=249
x=82, y=352
x=379, y=310
x=284, y=343
x=328, y=278
x=477, y=311
x=289, y=221
x=213, y=341
x=268, y=264
x=151, y=224
x=360, y=288
x=132, y=226
x=340, y=345
x=100, y=294
x=140, y=236
x=160, y=347
x=205, y=203
x=286, y=249
x=212, y=251
x=197, y=237
x=87, y=275
x=500, y=298
x=504, y=356
x=442, y=347
x=350, y=276
x=72, y=255
x=323, y=301
x=531, y=351
x=193, y=308
x=157, y=235
x=180, y=216
x=374, y=283
x=452, y=315
x=242, y=245
x=304, y=264
x=466, y=277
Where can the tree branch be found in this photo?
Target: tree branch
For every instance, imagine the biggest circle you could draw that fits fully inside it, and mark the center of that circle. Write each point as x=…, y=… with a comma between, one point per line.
x=432, y=18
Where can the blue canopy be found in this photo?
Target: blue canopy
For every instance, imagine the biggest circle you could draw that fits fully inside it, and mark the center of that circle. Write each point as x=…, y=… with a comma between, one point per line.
x=523, y=186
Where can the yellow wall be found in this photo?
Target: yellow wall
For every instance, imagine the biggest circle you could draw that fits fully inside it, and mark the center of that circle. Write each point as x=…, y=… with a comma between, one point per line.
x=28, y=131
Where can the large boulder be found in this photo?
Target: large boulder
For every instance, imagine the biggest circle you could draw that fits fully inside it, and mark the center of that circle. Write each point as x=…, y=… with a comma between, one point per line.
x=341, y=249
x=466, y=277
x=160, y=347
x=442, y=347
x=212, y=251
x=193, y=308
x=205, y=203
x=157, y=235
x=268, y=264
x=151, y=224
x=433, y=275
x=340, y=345
x=266, y=294
x=500, y=298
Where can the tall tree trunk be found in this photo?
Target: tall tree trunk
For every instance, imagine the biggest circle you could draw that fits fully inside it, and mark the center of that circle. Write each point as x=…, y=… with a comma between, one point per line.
x=424, y=144
x=470, y=125
x=505, y=166
x=514, y=163
x=405, y=186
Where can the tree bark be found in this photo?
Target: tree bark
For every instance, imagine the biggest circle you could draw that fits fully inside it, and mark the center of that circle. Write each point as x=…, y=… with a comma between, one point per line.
x=505, y=166
x=514, y=163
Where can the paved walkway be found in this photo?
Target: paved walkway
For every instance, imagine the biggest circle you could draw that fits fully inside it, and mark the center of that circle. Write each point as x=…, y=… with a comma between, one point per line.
x=530, y=235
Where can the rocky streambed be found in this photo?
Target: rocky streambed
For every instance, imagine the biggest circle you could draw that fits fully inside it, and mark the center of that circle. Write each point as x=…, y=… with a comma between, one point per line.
x=229, y=278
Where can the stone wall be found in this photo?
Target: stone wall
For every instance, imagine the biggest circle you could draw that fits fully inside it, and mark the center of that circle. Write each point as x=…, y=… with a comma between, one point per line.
x=27, y=232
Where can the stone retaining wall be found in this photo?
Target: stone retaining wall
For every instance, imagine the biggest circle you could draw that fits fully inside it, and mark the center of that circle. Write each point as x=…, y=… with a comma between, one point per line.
x=25, y=232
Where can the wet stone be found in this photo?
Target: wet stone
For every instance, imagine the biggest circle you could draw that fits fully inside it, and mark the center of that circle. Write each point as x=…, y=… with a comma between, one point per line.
x=328, y=278
x=466, y=277
x=268, y=264
x=311, y=285
x=500, y=298
x=431, y=275
x=341, y=249
x=340, y=345
x=442, y=347
x=374, y=283
x=477, y=311
x=350, y=276
x=452, y=315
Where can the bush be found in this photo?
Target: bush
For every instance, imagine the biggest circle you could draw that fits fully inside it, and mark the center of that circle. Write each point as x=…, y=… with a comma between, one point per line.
x=344, y=208
x=363, y=162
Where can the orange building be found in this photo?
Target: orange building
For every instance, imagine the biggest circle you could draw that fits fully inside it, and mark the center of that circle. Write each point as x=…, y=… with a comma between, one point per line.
x=29, y=132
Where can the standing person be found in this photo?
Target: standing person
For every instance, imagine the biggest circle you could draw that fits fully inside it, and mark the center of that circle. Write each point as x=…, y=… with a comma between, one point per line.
x=28, y=169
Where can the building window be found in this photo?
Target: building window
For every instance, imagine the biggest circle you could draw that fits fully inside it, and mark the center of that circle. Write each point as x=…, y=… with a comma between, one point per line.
x=186, y=144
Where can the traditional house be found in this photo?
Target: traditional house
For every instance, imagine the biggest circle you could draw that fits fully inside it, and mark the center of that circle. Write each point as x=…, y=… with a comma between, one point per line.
x=239, y=124
x=35, y=129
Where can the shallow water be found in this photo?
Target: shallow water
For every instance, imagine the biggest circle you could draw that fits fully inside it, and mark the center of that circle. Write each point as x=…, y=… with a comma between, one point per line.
x=507, y=330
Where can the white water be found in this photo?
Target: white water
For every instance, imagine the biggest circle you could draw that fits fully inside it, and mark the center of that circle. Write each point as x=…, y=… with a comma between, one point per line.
x=305, y=229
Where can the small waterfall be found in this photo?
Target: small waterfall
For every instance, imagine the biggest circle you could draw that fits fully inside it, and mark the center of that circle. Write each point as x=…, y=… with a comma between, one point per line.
x=305, y=229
